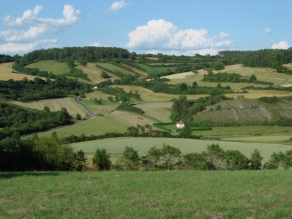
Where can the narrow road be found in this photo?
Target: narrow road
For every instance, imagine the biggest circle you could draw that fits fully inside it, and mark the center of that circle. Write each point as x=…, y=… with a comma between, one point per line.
x=77, y=101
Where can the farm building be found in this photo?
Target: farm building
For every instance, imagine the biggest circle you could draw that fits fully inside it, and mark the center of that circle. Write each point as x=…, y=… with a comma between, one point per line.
x=95, y=87
x=180, y=124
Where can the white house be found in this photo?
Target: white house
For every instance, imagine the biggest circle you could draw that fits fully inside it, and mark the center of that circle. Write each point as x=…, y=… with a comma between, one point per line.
x=95, y=87
x=180, y=124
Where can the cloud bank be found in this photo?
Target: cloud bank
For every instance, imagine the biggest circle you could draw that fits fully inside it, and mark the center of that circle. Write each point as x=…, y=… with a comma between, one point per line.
x=164, y=35
x=30, y=28
x=266, y=31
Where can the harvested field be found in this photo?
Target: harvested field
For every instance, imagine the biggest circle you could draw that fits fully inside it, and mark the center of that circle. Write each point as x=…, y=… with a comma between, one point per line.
x=51, y=65
x=97, y=126
x=130, y=119
x=113, y=68
x=102, y=109
x=54, y=105
x=94, y=73
x=160, y=111
x=97, y=94
x=6, y=73
x=142, y=145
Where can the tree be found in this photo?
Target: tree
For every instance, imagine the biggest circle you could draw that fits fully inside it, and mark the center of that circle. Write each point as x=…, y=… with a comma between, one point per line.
x=104, y=75
x=47, y=109
x=252, y=78
x=256, y=160
x=170, y=154
x=80, y=160
x=186, y=132
x=183, y=86
x=101, y=159
x=154, y=154
x=82, y=95
x=124, y=98
x=54, y=134
x=130, y=159
x=78, y=117
x=195, y=84
x=117, y=98
x=110, y=98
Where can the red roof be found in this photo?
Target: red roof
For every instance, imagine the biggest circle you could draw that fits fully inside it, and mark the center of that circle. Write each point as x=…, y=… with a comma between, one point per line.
x=181, y=122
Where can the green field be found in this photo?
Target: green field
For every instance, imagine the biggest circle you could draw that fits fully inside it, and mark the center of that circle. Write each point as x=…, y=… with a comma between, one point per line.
x=244, y=130
x=155, y=70
x=50, y=65
x=261, y=139
x=104, y=102
x=113, y=68
x=161, y=194
x=97, y=126
x=142, y=145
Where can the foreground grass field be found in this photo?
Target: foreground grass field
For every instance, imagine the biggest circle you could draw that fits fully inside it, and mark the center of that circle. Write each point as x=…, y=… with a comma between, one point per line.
x=97, y=126
x=174, y=194
x=142, y=145
x=261, y=139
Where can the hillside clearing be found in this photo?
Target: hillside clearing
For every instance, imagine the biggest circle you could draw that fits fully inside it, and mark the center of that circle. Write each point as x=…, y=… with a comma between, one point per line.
x=97, y=126
x=142, y=145
x=54, y=105
x=55, y=67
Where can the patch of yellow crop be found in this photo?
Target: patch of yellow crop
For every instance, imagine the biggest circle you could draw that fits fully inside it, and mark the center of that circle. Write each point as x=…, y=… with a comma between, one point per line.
x=6, y=73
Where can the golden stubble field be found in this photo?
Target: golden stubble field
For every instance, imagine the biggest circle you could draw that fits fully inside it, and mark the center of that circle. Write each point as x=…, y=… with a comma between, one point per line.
x=6, y=73
x=54, y=105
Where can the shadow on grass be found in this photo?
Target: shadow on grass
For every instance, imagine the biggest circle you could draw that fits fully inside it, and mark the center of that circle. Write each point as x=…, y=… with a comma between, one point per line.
x=9, y=175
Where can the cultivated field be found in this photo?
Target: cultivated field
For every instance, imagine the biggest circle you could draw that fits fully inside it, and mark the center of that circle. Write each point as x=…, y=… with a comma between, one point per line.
x=94, y=73
x=159, y=194
x=6, y=73
x=179, y=75
x=130, y=119
x=97, y=126
x=142, y=145
x=55, y=104
x=160, y=111
x=51, y=65
x=113, y=68
x=137, y=70
x=98, y=95
x=244, y=130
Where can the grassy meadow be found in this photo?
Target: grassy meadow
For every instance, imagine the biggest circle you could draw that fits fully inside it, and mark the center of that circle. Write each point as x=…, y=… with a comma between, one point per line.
x=155, y=70
x=162, y=194
x=142, y=145
x=158, y=110
x=55, y=67
x=113, y=68
x=261, y=139
x=97, y=126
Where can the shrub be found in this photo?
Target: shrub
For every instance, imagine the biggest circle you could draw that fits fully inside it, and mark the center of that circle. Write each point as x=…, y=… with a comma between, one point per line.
x=78, y=117
x=101, y=159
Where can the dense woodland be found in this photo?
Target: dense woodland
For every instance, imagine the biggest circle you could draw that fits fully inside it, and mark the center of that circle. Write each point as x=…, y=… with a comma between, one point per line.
x=23, y=121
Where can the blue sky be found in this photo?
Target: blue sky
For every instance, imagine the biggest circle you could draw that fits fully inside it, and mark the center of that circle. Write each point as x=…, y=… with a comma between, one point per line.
x=170, y=27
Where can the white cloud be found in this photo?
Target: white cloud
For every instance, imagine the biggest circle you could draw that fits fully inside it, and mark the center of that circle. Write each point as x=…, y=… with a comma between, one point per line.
x=161, y=34
x=29, y=17
x=186, y=53
x=281, y=45
x=97, y=45
x=117, y=6
x=266, y=31
x=26, y=47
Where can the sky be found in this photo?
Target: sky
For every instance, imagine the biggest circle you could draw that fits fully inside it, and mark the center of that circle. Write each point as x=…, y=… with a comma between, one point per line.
x=172, y=27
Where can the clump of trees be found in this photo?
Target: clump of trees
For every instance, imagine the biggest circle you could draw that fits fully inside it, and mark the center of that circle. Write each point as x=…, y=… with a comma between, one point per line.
x=41, y=154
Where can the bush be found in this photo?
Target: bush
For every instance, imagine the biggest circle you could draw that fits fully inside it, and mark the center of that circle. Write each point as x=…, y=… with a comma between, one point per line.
x=101, y=159
x=78, y=117
x=130, y=108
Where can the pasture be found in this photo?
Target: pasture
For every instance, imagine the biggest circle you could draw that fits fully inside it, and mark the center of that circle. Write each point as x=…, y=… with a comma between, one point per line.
x=137, y=70
x=142, y=145
x=94, y=73
x=55, y=104
x=159, y=194
x=55, y=67
x=97, y=126
x=158, y=110
x=131, y=119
